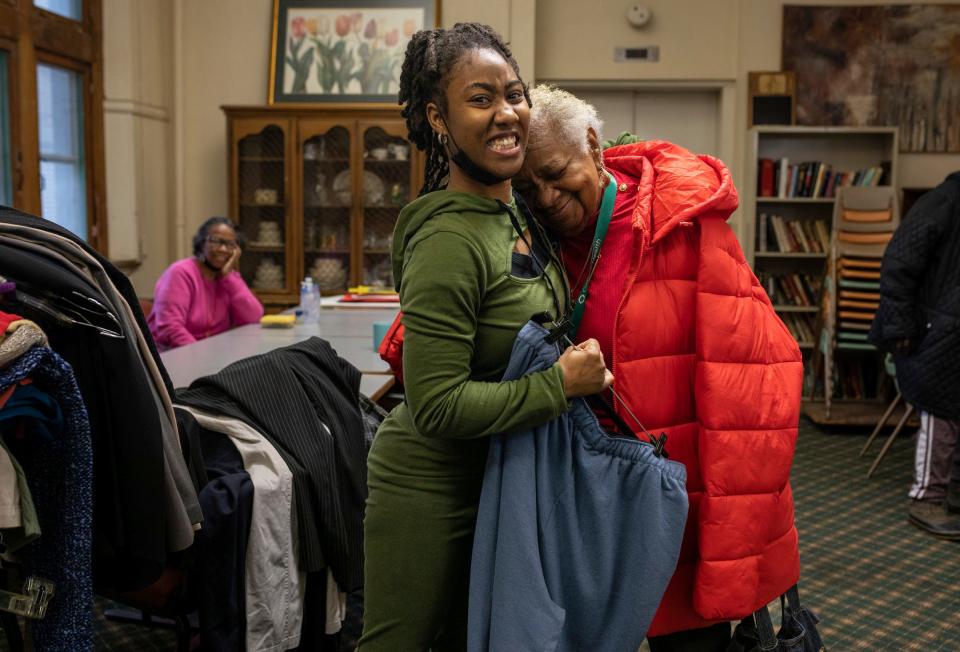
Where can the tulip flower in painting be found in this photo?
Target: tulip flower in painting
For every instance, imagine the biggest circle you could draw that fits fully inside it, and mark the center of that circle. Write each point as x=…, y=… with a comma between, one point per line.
x=347, y=52
x=300, y=63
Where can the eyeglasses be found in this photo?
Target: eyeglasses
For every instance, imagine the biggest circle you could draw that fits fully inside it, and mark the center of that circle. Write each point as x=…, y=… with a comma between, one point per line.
x=219, y=242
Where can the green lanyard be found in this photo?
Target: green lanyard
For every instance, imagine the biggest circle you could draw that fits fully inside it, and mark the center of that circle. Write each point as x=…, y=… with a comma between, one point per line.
x=603, y=223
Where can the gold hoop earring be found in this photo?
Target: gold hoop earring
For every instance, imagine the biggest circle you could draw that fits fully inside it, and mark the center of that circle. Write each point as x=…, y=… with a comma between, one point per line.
x=601, y=171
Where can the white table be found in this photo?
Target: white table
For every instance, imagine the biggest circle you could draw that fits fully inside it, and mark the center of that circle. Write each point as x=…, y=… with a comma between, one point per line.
x=343, y=322
x=351, y=336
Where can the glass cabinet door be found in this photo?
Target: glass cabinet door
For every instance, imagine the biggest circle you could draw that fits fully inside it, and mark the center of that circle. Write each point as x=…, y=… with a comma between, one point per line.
x=387, y=186
x=327, y=188
x=261, y=205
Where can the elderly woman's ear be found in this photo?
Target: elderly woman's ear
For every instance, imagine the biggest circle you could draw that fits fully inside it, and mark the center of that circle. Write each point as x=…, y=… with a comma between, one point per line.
x=593, y=142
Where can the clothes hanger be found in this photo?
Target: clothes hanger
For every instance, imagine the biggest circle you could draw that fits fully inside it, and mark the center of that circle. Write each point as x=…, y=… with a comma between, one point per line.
x=64, y=315
x=102, y=310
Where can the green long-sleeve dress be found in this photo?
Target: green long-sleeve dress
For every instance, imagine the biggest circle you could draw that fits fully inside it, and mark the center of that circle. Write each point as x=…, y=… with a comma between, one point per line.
x=462, y=311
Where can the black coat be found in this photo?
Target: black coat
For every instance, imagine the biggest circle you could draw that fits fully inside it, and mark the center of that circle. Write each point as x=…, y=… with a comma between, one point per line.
x=129, y=531
x=118, y=278
x=290, y=395
x=920, y=301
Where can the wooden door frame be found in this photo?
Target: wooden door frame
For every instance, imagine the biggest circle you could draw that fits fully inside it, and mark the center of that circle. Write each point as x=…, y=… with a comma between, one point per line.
x=42, y=36
x=15, y=162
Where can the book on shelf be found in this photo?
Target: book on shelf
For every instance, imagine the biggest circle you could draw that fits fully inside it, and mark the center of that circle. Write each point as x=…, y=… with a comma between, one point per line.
x=791, y=289
x=783, y=292
x=783, y=176
x=779, y=235
x=782, y=237
x=801, y=326
x=798, y=235
x=823, y=234
x=856, y=379
x=766, y=181
x=813, y=179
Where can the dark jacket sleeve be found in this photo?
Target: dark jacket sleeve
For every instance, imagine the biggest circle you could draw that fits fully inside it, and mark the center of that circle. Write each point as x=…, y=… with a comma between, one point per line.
x=905, y=261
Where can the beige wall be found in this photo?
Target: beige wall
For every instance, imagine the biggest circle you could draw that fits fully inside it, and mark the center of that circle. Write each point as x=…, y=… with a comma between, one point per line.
x=171, y=64
x=226, y=65
x=138, y=90
x=697, y=39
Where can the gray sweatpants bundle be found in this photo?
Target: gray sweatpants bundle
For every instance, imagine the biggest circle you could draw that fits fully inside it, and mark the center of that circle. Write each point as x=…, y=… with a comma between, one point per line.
x=577, y=533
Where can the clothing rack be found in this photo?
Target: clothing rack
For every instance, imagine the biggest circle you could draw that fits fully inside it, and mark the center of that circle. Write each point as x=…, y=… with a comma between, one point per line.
x=89, y=343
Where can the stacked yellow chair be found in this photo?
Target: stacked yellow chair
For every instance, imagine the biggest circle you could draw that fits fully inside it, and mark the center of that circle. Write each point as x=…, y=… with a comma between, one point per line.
x=863, y=223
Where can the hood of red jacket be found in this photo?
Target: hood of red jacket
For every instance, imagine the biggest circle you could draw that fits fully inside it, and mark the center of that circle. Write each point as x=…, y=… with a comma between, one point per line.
x=676, y=185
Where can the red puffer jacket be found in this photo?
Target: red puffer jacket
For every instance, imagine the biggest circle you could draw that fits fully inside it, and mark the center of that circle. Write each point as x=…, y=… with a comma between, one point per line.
x=699, y=353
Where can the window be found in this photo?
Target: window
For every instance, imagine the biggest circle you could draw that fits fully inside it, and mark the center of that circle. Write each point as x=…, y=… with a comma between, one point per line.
x=51, y=113
x=5, y=193
x=66, y=8
x=63, y=195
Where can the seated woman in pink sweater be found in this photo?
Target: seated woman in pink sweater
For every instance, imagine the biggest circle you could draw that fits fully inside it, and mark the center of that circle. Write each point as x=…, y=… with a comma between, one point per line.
x=204, y=295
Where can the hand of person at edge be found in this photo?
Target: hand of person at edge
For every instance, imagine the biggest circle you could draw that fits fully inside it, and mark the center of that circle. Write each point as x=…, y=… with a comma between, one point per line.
x=231, y=264
x=584, y=372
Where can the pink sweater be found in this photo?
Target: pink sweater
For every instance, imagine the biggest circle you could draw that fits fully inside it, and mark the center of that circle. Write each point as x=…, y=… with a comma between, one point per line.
x=188, y=307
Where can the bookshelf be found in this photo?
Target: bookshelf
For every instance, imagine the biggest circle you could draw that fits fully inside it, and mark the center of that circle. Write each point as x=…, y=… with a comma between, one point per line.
x=789, y=211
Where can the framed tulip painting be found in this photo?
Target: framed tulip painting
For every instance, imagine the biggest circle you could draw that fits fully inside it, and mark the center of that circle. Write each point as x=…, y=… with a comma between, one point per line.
x=343, y=51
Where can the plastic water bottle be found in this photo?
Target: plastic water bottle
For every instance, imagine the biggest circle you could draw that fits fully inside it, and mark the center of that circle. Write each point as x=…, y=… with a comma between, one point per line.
x=308, y=300
x=316, y=302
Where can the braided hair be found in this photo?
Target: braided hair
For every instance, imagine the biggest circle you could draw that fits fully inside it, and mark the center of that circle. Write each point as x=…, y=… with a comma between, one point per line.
x=431, y=55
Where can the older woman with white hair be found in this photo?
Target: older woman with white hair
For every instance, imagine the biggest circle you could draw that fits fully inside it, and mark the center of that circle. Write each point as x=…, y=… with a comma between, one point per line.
x=696, y=350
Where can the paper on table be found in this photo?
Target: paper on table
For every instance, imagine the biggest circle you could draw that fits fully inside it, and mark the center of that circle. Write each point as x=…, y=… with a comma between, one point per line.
x=334, y=302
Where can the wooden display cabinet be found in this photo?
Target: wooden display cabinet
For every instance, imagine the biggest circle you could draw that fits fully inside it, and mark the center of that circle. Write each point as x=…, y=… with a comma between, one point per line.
x=317, y=192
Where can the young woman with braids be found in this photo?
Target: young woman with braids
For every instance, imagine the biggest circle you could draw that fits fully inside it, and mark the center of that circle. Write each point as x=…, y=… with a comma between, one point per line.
x=453, y=253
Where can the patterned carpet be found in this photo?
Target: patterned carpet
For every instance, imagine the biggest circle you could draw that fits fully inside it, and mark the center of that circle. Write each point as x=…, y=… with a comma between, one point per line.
x=877, y=582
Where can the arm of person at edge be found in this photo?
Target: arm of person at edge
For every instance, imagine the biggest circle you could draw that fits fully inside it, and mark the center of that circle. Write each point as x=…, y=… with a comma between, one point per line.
x=441, y=294
x=905, y=261
x=244, y=306
x=173, y=297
